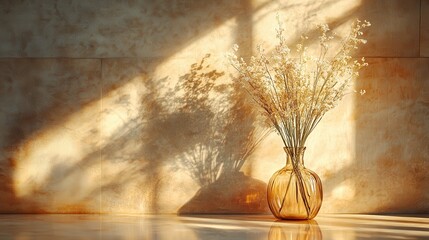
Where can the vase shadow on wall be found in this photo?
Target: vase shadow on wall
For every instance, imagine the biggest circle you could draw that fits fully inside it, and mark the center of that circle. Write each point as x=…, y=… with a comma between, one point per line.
x=236, y=193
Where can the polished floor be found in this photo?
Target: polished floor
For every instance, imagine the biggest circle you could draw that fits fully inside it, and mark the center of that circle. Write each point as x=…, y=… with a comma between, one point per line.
x=257, y=227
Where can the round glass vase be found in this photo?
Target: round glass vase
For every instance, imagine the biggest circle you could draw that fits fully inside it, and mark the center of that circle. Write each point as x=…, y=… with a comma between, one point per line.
x=295, y=192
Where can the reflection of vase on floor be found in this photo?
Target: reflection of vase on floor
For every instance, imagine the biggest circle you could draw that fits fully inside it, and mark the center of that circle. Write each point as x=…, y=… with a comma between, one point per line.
x=295, y=192
x=308, y=230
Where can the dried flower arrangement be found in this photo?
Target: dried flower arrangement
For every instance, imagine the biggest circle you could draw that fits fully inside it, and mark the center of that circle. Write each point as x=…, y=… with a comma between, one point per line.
x=295, y=92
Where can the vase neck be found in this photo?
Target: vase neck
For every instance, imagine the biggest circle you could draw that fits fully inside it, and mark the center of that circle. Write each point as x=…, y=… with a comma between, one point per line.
x=295, y=155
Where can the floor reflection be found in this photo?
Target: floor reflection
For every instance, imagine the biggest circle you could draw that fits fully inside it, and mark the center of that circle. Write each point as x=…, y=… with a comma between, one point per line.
x=296, y=230
x=210, y=227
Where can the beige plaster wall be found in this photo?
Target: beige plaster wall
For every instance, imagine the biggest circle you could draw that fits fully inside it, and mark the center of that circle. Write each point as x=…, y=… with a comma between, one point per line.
x=106, y=107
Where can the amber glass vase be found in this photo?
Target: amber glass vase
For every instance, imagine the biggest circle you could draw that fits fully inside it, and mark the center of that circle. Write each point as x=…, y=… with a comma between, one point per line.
x=295, y=192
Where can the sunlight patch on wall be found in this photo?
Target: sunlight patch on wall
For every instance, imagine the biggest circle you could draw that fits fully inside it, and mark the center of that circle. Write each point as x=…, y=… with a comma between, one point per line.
x=40, y=156
x=60, y=166
x=343, y=191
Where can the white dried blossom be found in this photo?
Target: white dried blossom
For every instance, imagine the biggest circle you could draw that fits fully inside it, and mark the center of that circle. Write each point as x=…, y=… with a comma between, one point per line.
x=296, y=92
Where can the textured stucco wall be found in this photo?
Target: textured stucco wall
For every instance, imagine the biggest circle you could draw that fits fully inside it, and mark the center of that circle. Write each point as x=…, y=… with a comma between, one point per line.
x=102, y=109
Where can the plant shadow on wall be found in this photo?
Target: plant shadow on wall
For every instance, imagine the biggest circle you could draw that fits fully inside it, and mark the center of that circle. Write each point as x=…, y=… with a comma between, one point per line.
x=209, y=131
x=203, y=127
x=224, y=135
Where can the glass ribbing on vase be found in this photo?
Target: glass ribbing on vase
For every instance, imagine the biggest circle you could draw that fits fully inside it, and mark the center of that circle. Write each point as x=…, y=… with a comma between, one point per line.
x=295, y=192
